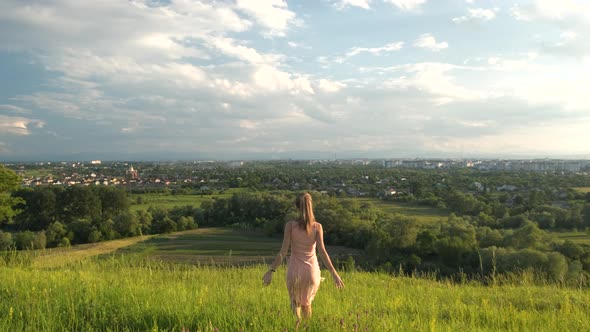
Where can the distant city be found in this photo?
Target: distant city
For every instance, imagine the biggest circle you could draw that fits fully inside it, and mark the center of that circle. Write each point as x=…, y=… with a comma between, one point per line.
x=97, y=172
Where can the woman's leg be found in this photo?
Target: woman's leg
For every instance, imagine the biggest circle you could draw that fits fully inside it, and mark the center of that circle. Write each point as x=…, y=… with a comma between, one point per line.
x=306, y=311
x=296, y=309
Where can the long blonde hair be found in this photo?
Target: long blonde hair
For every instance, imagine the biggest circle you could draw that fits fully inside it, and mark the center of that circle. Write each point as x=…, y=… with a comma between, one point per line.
x=305, y=208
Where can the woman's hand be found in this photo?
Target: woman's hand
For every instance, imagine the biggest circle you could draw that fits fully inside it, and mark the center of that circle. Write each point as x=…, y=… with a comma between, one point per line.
x=267, y=278
x=337, y=281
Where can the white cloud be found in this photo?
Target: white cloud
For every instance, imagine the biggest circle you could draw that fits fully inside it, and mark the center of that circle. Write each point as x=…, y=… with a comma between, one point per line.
x=248, y=124
x=14, y=109
x=478, y=14
x=434, y=78
x=168, y=46
x=272, y=14
x=18, y=125
x=407, y=5
x=519, y=14
x=272, y=79
x=341, y=4
x=228, y=47
x=553, y=10
x=391, y=47
x=158, y=76
x=429, y=42
x=377, y=51
x=569, y=35
x=330, y=86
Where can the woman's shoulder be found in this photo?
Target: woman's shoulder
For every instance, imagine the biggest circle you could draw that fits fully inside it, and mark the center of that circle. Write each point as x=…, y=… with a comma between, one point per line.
x=317, y=225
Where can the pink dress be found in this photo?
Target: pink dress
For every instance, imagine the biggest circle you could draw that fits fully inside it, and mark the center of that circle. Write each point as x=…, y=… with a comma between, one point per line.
x=303, y=271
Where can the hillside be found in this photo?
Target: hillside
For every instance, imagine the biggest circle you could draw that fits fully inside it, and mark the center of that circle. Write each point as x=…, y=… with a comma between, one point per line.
x=134, y=290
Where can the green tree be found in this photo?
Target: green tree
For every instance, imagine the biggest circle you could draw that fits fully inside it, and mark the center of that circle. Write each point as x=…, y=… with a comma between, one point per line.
x=586, y=215
x=55, y=232
x=113, y=201
x=6, y=241
x=79, y=202
x=127, y=224
x=145, y=221
x=9, y=183
x=38, y=210
x=40, y=240
x=25, y=240
x=94, y=236
x=529, y=235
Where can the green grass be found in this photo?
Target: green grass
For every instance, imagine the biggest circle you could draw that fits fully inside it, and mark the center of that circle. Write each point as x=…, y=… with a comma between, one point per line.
x=59, y=257
x=220, y=246
x=423, y=214
x=577, y=237
x=123, y=294
x=99, y=289
x=167, y=200
x=38, y=173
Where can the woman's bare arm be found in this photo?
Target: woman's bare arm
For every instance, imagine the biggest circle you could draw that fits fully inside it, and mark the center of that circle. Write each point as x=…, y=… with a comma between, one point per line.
x=284, y=248
x=281, y=255
x=325, y=257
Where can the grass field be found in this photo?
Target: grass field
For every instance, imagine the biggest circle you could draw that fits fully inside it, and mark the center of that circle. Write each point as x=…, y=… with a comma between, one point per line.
x=583, y=189
x=39, y=173
x=126, y=292
x=59, y=257
x=577, y=237
x=167, y=200
x=424, y=214
x=217, y=246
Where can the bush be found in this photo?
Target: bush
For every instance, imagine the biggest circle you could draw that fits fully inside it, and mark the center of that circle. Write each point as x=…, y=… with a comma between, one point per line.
x=65, y=242
x=40, y=240
x=6, y=241
x=24, y=240
x=94, y=236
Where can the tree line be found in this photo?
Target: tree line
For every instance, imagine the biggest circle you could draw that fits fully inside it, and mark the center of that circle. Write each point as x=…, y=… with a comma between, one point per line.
x=56, y=216
x=486, y=232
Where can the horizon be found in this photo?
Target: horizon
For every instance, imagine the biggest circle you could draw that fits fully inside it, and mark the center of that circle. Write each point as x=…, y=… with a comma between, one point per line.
x=287, y=159
x=275, y=79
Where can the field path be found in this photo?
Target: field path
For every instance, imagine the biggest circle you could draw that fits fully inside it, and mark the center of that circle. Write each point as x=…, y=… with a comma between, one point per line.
x=58, y=257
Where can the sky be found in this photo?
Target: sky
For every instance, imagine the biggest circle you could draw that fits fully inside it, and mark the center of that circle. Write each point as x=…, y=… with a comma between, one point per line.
x=274, y=79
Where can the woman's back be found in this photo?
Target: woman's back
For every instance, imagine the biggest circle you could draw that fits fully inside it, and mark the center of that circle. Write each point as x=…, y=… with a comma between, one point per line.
x=303, y=272
x=303, y=244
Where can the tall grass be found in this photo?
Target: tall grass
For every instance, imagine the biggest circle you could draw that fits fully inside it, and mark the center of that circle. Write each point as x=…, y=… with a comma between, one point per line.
x=126, y=293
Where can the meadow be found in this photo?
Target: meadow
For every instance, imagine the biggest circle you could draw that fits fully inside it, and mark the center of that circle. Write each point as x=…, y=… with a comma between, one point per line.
x=582, y=189
x=423, y=214
x=168, y=200
x=217, y=246
x=118, y=289
x=576, y=237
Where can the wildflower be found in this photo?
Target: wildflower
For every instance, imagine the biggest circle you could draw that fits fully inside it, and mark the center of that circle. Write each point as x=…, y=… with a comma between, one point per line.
x=10, y=311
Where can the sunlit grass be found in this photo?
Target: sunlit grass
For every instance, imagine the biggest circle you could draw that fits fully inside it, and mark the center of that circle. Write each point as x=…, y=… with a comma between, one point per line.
x=218, y=245
x=423, y=214
x=167, y=200
x=119, y=293
x=577, y=237
x=57, y=257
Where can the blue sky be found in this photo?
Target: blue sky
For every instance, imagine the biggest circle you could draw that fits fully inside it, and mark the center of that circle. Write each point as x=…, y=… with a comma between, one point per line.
x=236, y=79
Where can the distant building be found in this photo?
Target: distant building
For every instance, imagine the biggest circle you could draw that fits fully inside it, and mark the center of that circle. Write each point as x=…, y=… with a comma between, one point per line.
x=391, y=163
x=235, y=164
x=95, y=162
x=131, y=173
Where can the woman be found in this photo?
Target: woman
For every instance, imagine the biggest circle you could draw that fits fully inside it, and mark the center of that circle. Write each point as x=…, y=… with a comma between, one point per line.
x=303, y=272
